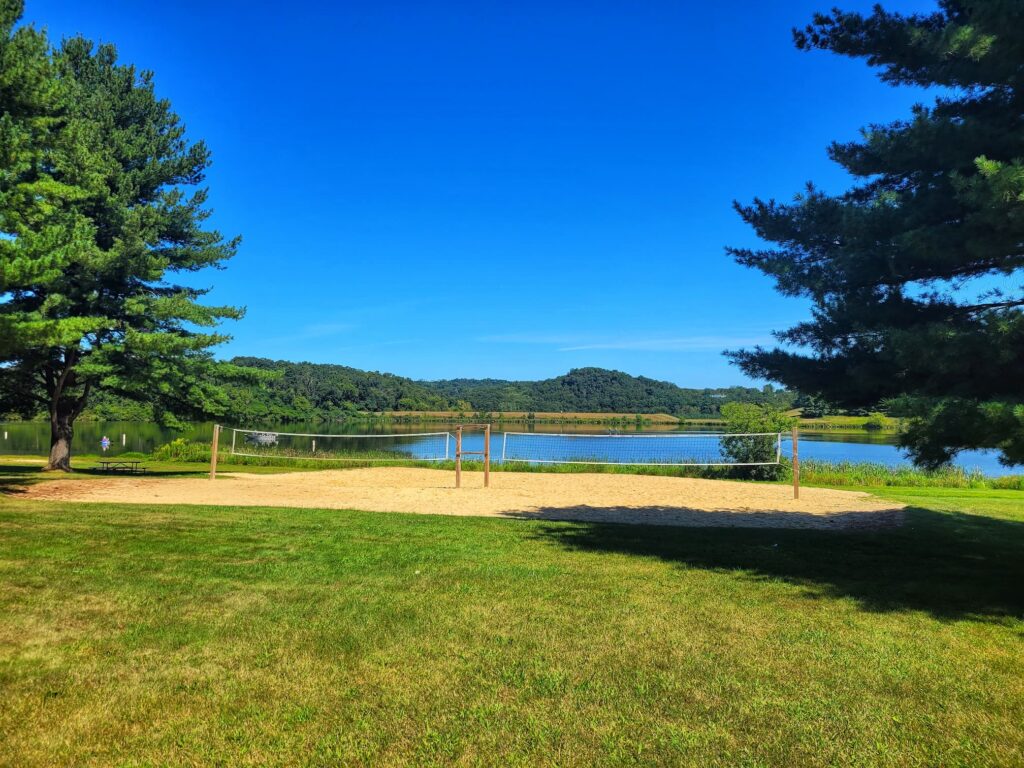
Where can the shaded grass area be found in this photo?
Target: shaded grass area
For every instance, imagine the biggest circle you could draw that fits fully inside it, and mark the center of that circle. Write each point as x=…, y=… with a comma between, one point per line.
x=169, y=636
x=17, y=472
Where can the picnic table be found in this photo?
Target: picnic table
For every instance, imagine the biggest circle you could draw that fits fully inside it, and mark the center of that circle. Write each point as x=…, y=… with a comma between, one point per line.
x=129, y=466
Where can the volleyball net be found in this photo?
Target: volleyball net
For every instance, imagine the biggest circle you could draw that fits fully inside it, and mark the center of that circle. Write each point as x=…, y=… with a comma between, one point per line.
x=410, y=447
x=652, y=449
x=661, y=449
x=679, y=449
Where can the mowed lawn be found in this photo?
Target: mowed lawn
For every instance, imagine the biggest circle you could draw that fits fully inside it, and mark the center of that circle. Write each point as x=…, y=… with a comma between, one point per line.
x=142, y=636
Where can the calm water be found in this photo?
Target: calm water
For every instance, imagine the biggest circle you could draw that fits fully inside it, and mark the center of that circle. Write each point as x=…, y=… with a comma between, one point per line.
x=32, y=438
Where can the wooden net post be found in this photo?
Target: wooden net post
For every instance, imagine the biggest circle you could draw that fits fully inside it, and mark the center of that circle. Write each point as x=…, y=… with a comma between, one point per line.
x=487, y=455
x=214, y=448
x=458, y=456
x=796, y=463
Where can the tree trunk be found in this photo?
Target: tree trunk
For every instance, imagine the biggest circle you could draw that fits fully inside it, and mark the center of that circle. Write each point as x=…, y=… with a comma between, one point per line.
x=65, y=406
x=61, y=432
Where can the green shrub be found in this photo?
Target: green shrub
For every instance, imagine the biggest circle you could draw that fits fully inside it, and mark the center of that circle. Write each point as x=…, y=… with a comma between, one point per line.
x=182, y=450
x=744, y=418
x=875, y=422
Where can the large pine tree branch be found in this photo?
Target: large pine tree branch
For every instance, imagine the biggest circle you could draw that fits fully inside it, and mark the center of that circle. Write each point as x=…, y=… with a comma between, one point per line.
x=967, y=46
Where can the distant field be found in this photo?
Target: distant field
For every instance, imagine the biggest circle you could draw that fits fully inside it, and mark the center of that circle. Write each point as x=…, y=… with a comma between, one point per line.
x=855, y=423
x=548, y=416
x=824, y=423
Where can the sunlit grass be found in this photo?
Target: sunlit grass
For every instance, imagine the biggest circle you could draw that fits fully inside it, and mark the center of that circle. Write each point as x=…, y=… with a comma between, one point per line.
x=168, y=636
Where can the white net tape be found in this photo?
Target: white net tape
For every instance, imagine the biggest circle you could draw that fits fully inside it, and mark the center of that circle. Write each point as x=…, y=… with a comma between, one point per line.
x=666, y=449
x=418, y=446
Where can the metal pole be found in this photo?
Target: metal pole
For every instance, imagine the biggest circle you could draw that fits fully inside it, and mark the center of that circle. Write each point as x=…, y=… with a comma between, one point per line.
x=213, y=451
x=458, y=456
x=796, y=463
x=487, y=456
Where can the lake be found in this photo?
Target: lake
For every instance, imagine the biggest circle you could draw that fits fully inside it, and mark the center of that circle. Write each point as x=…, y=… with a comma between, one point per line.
x=32, y=438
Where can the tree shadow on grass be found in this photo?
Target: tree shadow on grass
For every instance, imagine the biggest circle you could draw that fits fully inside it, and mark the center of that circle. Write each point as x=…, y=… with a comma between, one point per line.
x=950, y=565
x=16, y=478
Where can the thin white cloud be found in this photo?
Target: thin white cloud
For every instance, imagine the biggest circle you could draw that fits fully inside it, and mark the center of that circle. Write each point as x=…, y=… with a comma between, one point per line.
x=326, y=329
x=531, y=338
x=376, y=345
x=648, y=343
x=674, y=344
x=313, y=331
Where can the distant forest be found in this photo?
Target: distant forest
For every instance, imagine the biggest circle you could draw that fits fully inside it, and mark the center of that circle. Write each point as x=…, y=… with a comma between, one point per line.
x=318, y=392
x=597, y=390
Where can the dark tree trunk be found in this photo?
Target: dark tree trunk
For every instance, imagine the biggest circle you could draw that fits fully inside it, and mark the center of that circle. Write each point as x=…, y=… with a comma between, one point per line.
x=62, y=431
x=65, y=406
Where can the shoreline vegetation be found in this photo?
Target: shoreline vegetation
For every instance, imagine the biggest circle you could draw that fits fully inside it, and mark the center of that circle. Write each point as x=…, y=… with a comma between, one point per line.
x=665, y=421
x=520, y=417
x=873, y=423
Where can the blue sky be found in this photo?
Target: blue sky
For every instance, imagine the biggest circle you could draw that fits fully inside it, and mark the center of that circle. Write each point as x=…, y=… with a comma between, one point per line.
x=497, y=189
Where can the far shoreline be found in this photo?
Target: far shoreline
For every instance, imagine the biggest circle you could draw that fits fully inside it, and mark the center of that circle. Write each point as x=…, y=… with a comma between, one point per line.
x=830, y=424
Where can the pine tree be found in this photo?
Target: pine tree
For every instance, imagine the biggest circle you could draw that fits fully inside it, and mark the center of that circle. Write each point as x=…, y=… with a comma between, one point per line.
x=96, y=219
x=911, y=270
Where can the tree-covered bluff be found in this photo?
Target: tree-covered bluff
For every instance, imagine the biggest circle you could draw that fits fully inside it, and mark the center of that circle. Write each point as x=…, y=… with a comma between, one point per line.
x=598, y=390
x=321, y=392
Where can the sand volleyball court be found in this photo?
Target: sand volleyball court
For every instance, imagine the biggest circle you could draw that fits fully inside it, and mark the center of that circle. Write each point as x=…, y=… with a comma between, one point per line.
x=586, y=497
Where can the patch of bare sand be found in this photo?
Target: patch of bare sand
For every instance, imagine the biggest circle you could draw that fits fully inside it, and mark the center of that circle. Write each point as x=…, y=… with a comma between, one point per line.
x=587, y=497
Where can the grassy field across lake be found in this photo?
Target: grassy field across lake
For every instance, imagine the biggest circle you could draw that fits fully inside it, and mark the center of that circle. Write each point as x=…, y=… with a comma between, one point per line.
x=211, y=635
x=517, y=417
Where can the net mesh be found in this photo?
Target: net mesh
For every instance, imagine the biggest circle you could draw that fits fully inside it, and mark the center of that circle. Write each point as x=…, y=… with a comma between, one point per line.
x=419, y=446
x=677, y=449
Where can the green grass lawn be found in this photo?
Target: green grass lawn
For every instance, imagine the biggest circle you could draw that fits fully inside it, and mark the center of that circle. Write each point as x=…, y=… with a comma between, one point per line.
x=140, y=636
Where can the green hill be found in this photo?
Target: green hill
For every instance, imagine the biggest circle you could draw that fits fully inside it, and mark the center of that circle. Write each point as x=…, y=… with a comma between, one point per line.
x=322, y=392
x=597, y=390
